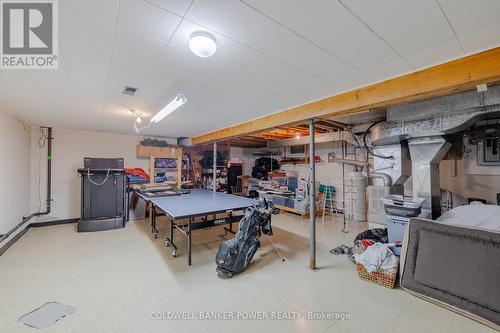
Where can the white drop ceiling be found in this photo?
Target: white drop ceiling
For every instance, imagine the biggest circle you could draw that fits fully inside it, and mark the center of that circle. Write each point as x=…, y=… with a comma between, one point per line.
x=272, y=55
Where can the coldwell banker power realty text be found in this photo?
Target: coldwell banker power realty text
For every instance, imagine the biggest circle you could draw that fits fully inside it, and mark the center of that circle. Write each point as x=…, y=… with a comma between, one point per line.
x=29, y=35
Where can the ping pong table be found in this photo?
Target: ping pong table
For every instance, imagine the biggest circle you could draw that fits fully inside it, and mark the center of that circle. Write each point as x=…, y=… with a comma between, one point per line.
x=197, y=203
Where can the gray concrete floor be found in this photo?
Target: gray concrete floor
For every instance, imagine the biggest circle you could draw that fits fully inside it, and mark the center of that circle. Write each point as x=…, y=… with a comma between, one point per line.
x=117, y=279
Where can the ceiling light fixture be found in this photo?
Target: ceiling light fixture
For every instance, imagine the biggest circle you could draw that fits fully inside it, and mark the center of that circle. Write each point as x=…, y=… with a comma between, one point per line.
x=178, y=101
x=297, y=136
x=137, y=115
x=202, y=44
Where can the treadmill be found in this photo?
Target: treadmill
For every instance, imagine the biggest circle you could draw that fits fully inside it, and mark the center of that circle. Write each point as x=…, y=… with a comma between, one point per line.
x=103, y=194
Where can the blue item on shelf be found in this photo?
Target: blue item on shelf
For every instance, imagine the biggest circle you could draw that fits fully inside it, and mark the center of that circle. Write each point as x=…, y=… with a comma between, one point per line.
x=292, y=183
x=134, y=179
x=167, y=163
x=161, y=179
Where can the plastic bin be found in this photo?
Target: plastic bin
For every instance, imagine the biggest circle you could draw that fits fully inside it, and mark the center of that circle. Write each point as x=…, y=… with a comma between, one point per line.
x=279, y=200
x=396, y=227
x=292, y=183
x=301, y=205
x=290, y=203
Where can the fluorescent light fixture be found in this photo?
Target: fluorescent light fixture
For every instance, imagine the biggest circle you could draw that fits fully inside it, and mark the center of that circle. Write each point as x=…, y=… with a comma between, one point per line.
x=202, y=44
x=169, y=108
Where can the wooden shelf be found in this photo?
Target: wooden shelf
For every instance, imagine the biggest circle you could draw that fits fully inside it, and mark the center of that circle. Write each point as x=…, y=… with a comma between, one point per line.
x=158, y=152
x=161, y=152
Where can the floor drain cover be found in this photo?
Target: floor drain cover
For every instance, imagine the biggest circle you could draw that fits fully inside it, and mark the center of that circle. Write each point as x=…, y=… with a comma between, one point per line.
x=46, y=315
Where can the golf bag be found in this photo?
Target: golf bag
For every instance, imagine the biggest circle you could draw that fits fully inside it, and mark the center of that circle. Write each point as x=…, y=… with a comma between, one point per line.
x=235, y=254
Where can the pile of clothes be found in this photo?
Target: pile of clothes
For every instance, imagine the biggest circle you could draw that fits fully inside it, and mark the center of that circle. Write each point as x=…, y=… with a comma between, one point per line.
x=371, y=250
x=375, y=257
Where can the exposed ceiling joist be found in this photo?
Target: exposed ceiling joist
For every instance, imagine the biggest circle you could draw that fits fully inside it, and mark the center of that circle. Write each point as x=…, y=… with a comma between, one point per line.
x=334, y=124
x=324, y=128
x=458, y=75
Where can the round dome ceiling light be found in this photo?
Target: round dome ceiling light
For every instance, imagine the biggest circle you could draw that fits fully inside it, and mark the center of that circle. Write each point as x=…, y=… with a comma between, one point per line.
x=202, y=44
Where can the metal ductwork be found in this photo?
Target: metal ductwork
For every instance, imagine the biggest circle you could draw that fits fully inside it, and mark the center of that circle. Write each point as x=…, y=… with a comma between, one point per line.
x=426, y=153
x=387, y=180
x=415, y=130
x=437, y=116
x=396, y=165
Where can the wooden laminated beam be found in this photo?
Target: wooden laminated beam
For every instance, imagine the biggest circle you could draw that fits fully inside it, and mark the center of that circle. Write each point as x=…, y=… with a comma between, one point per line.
x=454, y=76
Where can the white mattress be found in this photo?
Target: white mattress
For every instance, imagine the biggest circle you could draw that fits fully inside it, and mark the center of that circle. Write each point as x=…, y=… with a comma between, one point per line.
x=473, y=216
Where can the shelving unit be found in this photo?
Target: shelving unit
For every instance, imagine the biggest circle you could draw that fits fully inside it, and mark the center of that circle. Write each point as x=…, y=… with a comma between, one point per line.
x=209, y=175
x=161, y=152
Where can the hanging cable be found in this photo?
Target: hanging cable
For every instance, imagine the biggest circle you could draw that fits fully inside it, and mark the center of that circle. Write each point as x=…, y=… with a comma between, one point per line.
x=368, y=149
x=95, y=183
x=138, y=129
x=42, y=140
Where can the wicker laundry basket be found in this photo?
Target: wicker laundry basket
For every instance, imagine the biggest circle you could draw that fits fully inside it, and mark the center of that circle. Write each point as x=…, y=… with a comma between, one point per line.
x=382, y=278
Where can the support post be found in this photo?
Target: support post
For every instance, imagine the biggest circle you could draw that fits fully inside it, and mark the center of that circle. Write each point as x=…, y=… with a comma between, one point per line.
x=214, y=184
x=312, y=198
x=179, y=167
x=151, y=169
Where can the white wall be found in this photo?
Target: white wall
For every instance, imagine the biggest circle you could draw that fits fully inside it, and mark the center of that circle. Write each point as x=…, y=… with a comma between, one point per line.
x=467, y=179
x=68, y=150
x=468, y=185
x=15, y=172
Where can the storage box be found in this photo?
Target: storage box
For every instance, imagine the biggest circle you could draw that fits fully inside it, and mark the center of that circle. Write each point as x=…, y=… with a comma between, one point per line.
x=290, y=203
x=302, y=184
x=300, y=194
x=292, y=183
x=301, y=205
x=279, y=200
